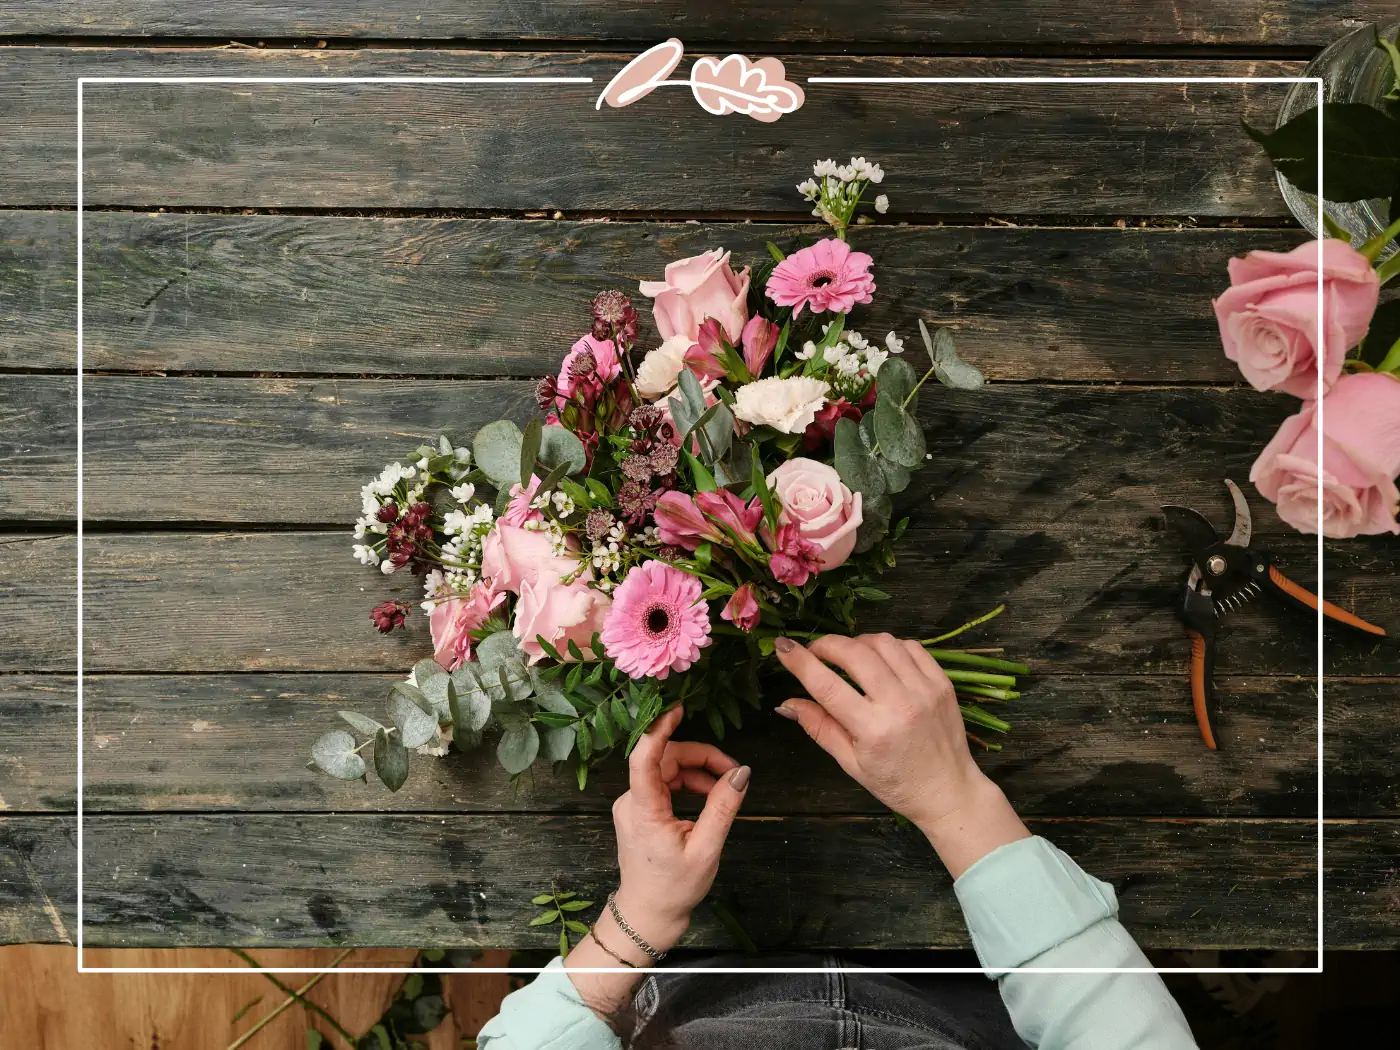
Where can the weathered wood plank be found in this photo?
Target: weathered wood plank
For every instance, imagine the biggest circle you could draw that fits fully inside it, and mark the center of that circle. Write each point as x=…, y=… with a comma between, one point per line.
x=798, y=882
x=297, y=451
x=1271, y=22
x=1167, y=149
x=1079, y=602
x=1081, y=746
x=334, y=294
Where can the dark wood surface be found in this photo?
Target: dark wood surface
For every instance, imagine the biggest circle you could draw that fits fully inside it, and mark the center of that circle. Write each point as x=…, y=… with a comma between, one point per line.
x=287, y=286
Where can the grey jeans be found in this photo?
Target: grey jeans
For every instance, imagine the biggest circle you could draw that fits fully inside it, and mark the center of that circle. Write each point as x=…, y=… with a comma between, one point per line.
x=819, y=1011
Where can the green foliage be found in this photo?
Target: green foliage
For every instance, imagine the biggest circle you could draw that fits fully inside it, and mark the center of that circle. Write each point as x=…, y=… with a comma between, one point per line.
x=335, y=752
x=561, y=909
x=1360, y=151
x=390, y=759
x=948, y=368
x=496, y=449
x=1381, y=347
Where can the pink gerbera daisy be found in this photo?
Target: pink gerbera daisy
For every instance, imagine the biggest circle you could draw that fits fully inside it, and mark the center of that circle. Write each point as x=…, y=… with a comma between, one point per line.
x=657, y=623
x=825, y=276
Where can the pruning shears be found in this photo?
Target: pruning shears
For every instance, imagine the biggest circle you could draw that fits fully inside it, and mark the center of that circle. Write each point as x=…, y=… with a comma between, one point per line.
x=1224, y=576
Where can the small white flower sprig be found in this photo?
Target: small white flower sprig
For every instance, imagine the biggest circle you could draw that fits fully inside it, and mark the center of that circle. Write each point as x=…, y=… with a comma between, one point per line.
x=849, y=364
x=838, y=190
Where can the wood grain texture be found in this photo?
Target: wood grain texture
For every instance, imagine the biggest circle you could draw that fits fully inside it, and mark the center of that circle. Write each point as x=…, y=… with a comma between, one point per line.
x=295, y=452
x=459, y=297
x=797, y=882
x=1081, y=745
x=1079, y=602
x=892, y=22
x=50, y=1006
x=1153, y=149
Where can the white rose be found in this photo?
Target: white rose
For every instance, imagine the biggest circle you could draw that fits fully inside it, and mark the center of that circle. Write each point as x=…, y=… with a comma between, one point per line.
x=788, y=405
x=657, y=373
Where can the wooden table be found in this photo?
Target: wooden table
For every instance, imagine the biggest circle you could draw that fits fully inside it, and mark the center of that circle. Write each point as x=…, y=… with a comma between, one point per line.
x=288, y=285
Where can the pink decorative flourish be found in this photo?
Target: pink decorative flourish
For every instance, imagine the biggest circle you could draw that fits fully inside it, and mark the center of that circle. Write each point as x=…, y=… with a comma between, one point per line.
x=722, y=86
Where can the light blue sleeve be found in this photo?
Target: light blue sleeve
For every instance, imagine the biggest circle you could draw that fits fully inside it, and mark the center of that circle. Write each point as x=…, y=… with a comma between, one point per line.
x=1028, y=904
x=547, y=1014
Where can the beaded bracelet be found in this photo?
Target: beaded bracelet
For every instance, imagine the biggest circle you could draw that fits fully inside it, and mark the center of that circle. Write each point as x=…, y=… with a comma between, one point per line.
x=655, y=955
x=599, y=942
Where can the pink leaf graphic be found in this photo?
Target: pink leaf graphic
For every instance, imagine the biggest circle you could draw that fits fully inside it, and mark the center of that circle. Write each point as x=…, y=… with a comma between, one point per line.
x=734, y=85
x=643, y=74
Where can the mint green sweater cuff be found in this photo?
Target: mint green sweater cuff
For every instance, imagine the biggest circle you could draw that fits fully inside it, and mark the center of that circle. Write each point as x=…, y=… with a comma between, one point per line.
x=1024, y=898
x=547, y=1014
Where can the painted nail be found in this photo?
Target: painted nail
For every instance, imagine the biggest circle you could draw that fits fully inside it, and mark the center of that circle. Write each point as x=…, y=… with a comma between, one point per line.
x=786, y=712
x=739, y=779
x=783, y=645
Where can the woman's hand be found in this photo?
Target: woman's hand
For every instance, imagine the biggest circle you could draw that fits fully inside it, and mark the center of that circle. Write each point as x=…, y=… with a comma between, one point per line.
x=669, y=864
x=901, y=736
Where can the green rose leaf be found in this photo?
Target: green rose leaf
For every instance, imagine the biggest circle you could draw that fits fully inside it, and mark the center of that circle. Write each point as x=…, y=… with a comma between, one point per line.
x=334, y=752
x=518, y=748
x=390, y=759
x=415, y=725
x=1361, y=151
x=361, y=723
x=530, y=447
x=497, y=451
x=858, y=468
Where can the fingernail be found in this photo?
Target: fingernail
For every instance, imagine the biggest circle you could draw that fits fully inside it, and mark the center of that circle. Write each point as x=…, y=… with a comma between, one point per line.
x=783, y=645
x=786, y=712
x=739, y=779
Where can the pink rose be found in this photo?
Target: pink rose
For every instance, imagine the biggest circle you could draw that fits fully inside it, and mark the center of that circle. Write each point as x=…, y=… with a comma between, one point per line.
x=742, y=609
x=452, y=621
x=696, y=288
x=1361, y=457
x=825, y=511
x=606, y=366
x=512, y=557
x=795, y=559
x=560, y=613
x=519, y=511
x=760, y=337
x=1268, y=316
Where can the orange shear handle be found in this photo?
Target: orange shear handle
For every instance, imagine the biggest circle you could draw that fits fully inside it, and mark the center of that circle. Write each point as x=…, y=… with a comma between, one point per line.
x=1300, y=593
x=1202, y=698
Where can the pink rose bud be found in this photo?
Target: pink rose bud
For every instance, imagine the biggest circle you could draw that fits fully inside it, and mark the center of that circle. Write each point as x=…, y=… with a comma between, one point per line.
x=742, y=609
x=1361, y=457
x=696, y=288
x=760, y=337
x=1268, y=316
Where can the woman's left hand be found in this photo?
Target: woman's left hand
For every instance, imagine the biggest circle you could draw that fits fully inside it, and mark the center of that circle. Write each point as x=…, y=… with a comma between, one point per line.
x=669, y=864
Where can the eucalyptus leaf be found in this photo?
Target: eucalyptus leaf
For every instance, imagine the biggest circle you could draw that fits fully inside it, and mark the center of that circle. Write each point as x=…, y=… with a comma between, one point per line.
x=361, y=723
x=901, y=438
x=560, y=446
x=691, y=391
x=854, y=463
x=948, y=368
x=497, y=451
x=896, y=379
x=470, y=705
x=874, y=524
x=497, y=649
x=896, y=477
x=432, y=681
x=334, y=752
x=518, y=748
x=553, y=700
x=390, y=759
x=416, y=726
x=557, y=743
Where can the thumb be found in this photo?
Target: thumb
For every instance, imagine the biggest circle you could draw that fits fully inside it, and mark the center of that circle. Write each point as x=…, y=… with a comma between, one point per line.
x=721, y=807
x=829, y=734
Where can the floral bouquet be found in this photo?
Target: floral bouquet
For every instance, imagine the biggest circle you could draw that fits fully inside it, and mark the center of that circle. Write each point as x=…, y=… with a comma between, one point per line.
x=666, y=519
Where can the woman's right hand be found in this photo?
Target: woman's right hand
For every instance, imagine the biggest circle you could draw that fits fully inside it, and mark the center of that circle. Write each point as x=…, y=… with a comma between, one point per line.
x=900, y=736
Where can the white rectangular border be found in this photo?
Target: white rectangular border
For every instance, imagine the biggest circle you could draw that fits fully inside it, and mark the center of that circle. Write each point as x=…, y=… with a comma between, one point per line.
x=1321, y=232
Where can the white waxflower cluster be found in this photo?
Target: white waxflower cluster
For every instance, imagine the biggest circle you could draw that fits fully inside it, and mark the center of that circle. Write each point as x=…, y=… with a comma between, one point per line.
x=559, y=539
x=466, y=532
x=852, y=361
x=837, y=188
x=561, y=501
x=372, y=496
